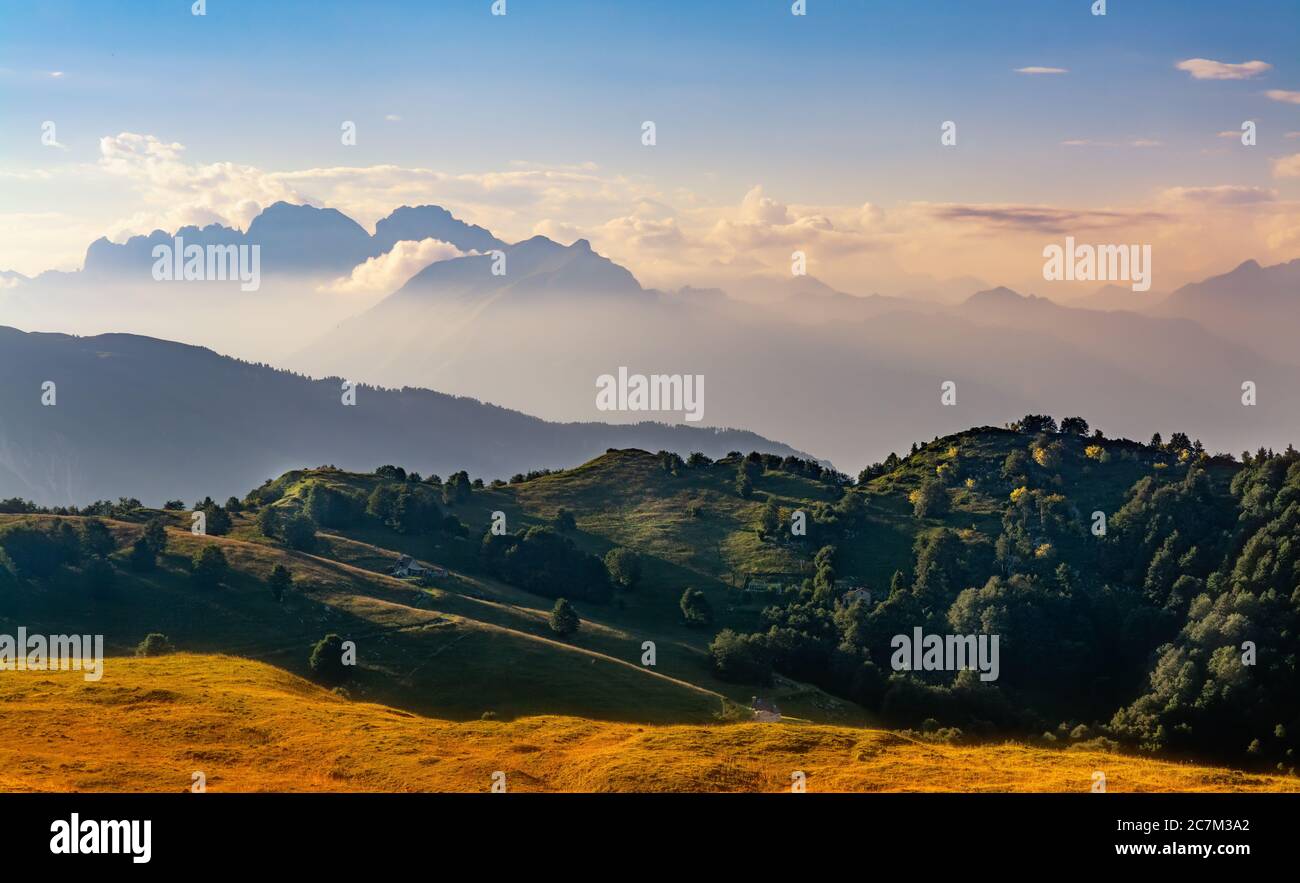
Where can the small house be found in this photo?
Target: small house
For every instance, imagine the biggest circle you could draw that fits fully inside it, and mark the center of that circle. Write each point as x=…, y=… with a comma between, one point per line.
x=857, y=593
x=407, y=566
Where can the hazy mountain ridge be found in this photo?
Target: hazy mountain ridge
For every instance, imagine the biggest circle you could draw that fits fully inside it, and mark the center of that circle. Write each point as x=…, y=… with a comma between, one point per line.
x=154, y=419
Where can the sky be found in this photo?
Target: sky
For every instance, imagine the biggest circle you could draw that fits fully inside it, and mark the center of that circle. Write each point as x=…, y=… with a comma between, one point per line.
x=774, y=132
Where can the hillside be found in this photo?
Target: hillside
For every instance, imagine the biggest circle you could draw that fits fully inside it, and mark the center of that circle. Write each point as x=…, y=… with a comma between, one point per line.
x=1128, y=636
x=155, y=420
x=151, y=723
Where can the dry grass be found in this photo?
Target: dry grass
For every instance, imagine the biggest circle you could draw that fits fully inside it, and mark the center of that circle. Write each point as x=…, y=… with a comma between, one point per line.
x=150, y=723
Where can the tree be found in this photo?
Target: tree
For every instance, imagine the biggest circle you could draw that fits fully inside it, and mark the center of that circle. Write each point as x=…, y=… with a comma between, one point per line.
x=696, y=608
x=268, y=522
x=740, y=658
x=216, y=521
x=564, y=619
x=209, y=567
x=154, y=644
x=457, y=488
x=174, y=505
x=564, y=521
x=280, y=581
x=624, y=567
x=233, y=505
x=930, y=500
x=769, y=522
x=744, y=486
x=326, y=660
x=143, y=558
x=1156, y=441
x=96, y=538
x=34, y=553
x=1074, y=426
x=300, y=533
x=100, y=576
x=155, y=534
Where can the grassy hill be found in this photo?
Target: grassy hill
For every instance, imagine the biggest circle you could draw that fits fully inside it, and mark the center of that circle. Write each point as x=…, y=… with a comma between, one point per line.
x=467, y=642
x=247, y=726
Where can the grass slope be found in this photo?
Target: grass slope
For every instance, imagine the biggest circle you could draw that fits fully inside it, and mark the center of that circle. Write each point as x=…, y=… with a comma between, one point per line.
x=151, y=723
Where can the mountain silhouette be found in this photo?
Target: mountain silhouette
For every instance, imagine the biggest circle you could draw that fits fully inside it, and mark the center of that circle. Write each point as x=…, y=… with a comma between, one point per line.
x=158, y=420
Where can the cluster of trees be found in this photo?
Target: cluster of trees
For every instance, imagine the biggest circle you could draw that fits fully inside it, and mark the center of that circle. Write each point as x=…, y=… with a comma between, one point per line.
x=33, y=550
x=1174, y=629
x=544, y=562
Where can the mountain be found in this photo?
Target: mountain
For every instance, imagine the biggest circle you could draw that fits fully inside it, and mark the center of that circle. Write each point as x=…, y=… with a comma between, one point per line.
x=1254, y=305
x=533, y=268
x=431, y=221
x=157, y=420
x=296, y=240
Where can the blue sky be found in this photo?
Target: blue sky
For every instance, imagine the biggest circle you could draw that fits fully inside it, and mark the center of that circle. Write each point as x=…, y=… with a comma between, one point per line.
x=842, y=105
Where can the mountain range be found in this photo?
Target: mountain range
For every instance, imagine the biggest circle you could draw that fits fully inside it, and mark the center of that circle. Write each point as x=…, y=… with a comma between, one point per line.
x=156, y=420
x=847, y=376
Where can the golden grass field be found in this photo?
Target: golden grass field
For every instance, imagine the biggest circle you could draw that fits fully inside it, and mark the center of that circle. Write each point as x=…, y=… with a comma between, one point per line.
x=149, y=724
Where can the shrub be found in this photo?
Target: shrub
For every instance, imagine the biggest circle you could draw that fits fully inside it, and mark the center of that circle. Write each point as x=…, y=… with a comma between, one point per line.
x=696, y=608
x=564, y=619
x=209, y=567
x=280, y=581
x=624, y=568
x=154, y=644
x=326, y=661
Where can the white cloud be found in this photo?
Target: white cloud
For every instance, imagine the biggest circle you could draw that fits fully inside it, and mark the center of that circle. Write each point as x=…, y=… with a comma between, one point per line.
x=1208, y=69
x=390, y=271
x=1042, y=70
x=1287, y=166
x=1284, y=95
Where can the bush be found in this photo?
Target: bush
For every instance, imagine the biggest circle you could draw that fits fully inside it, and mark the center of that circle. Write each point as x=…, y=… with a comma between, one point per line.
x=696, y=608
x=564, y=619
x=209, y=567
x=624, y=567
x=326, y=660
x=143, y=557
x=268, y=522
x=280, y=581
x=300, y=533
x=930, y=500
x=154, y=644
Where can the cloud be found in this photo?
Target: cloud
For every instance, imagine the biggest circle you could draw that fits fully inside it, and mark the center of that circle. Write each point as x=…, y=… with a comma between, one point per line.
x=391, y=270
x=1042, y=70
x=1287, y=166
x=1207, y=69
x=176, y=193
x=1283, y=95
x=1223, y=194
x=1037, y=218
x=56, y=74
x=756, y=208
x=1088, y=142
x=393, y=117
